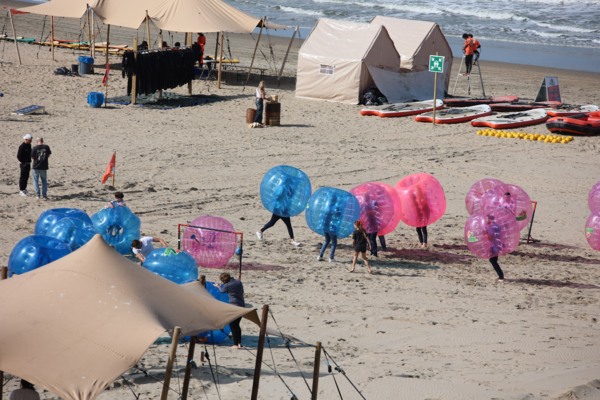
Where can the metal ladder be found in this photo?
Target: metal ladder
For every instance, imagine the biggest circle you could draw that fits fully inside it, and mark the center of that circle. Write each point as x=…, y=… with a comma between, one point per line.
x=473, y=72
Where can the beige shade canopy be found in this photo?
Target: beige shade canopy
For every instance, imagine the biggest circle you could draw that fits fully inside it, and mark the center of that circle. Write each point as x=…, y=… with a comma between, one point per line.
x=60, y=8
x=75, y=325
x=170, y=15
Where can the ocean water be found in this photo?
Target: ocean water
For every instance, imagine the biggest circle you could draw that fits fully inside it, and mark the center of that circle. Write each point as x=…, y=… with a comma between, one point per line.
x=553, y=33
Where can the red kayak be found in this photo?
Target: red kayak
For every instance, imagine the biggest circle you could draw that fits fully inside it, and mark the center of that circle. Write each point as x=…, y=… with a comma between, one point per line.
x=524, y=105
x=587, y=124
x=567, y=110
x=473, y=101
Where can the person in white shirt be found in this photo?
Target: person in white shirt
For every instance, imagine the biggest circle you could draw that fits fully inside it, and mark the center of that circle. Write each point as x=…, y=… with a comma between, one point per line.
x=142, y=247
x=261, y=95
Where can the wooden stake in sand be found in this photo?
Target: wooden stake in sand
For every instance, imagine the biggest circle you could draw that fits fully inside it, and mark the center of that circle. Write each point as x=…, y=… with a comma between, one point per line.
x=169, y=369
x=262, y=24
x=259, y=351
x=315, y=386
x=12, y=25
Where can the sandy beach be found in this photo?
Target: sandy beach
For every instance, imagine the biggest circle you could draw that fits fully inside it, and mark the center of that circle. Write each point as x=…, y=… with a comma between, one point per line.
x=427, y=324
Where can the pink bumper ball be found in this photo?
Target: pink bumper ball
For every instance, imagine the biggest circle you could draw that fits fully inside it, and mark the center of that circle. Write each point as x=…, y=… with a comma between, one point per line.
x=592, y=230
x=511, y=197
x=396, y=202
x=492, y=234
x=376, y=206
x=422, y=199
x=210, y=240
x=476, y=193
x=594, y=198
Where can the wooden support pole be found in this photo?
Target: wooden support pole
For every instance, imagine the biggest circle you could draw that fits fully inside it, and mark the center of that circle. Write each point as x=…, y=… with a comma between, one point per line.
x=169, y=369
x=315, y=386
x=3, y=275
x=220, y=60
x=189, y=38
x=287, y=52
x=134, y=76
x=12, y=25
x=263, y=22
x=106, y=72
x=89, y=21
x=52, y=36
x=259, y=352
x=188, y=368
x=148, y=30
x=93, y=38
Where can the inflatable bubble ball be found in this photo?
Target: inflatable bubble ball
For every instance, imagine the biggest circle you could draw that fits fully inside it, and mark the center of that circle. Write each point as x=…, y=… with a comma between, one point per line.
x=76, y=232
x=592, y=230
x=594, y=198
x=178, y=267
x=476, y=192
x=285, y=190
x=332, y=210
x=491, y=234
x=35, y=251
x=422, y=199
x=118, y=227
x=511, y=197
x=210, y=240
x=376, y=206
x=219, y=335
x=397, y=209
x=48, y=218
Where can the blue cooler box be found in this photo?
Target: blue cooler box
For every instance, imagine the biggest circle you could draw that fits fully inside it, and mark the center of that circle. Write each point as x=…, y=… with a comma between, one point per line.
x=95, y=99
x=86, y=65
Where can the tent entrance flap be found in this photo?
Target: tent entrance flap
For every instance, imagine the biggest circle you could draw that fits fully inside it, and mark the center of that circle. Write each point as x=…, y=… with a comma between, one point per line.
x=405, y=86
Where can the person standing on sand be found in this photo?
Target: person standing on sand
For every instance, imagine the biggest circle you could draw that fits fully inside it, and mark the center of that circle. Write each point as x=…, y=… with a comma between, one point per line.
x=261, y=95
x=40, y=154
x=272, y=221
x=26, y=392
x=476, y=46
x=493, y=233
x=235, y=289
x=24, y=157
x=468, y=52
x=360, y=243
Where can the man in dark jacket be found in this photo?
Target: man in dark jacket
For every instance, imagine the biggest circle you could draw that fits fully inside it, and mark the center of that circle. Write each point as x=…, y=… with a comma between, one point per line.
x=235, y=290
x=40, y=154
x=24, y=157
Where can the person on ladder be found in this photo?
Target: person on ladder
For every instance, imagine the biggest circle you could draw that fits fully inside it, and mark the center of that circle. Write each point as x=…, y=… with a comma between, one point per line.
x=476, y=46
x=468, y=52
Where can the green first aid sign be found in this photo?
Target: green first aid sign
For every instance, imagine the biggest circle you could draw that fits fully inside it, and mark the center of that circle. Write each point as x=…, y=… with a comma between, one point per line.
x=436, y=63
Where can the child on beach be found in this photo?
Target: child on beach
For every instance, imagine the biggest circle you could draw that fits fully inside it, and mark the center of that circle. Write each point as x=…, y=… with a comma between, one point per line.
x=119, y=201
x=360, y=243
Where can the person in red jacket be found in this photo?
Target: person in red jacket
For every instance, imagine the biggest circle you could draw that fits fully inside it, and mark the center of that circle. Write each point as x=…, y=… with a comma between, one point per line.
x=468, y=52
x=476, y=46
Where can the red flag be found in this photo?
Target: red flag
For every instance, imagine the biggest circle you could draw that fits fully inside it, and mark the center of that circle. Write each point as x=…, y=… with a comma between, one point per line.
x=106, y=71
x=110, y=168
x=15, y=12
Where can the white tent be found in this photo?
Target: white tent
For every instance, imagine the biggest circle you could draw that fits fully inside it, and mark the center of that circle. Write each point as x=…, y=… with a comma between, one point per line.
x=340, y=60
x=74, y=325
x=415, y=41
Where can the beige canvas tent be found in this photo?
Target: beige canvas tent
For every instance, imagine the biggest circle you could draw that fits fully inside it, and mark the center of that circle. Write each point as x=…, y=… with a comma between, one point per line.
x=340, y=60
x=75, y=325
x=415, y=41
